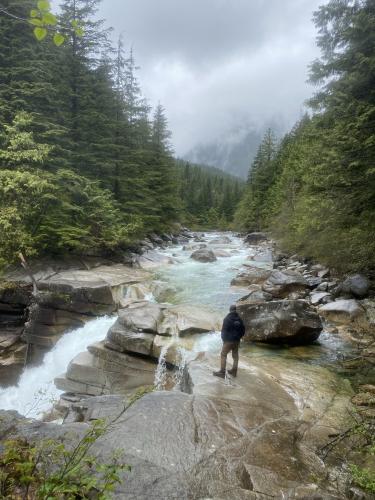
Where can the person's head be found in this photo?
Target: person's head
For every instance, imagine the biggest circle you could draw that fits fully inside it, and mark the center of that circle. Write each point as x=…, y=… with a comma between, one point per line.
x=233, y=308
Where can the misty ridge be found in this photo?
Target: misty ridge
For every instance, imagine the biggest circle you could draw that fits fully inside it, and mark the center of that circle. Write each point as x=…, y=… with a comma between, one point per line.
x=235, y=150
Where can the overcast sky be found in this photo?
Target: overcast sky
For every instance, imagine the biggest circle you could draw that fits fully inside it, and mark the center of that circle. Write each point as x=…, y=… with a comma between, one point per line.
x=219, y=65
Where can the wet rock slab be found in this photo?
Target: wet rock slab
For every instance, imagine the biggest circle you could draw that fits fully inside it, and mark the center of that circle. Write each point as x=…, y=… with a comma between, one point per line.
x=254, y=437
x=127, y=358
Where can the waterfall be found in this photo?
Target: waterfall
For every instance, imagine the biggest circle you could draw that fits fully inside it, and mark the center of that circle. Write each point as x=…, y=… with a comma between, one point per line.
x=35, y=391
x=161, y=371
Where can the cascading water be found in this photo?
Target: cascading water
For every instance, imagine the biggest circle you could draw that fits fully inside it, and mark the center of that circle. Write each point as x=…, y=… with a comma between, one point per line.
x=160, y=380
x=36, y=391
x=195, y=283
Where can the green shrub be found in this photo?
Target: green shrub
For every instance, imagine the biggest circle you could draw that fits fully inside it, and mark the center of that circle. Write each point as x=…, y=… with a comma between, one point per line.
x=49, y=470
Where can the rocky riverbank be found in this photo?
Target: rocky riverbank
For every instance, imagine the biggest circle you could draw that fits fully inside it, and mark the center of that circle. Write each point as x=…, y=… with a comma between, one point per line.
x=260, y=435
x=68, y=293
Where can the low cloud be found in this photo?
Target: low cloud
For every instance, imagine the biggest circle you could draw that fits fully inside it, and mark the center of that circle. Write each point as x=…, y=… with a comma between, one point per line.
x=217, y=65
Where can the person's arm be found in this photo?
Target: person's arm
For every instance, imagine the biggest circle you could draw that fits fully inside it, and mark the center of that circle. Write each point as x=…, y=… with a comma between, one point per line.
x=224, y=328
x=242, y=328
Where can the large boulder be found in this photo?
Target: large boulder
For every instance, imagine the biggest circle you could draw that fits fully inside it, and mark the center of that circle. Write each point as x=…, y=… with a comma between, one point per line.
x=281, y=284
x=280, y=322
x=357, y=285
x=130, y=341
x=67, y=298
x=188, y=319
x=104, y=371
x=203, y=255
x=342, y=311
x=251, y=275
x=141, y=316
x=151, y=318
x=255, y=238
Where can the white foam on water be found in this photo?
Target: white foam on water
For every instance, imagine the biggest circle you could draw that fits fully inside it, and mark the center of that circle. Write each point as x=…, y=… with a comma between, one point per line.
x=160, y=379
x=36, y=391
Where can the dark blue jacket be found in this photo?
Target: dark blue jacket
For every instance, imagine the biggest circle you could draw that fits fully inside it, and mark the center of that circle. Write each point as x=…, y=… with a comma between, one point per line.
x=233, y=328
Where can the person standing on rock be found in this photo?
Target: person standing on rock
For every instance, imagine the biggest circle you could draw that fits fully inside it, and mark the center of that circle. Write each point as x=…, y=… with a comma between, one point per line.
x=232, y=332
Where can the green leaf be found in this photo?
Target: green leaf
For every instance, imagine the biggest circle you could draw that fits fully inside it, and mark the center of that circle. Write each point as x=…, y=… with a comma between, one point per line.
x=40, y=33
x=58, y=39
x=49, y=19
x=79, y=32
x=43, y=5
x=36, y=22
x=74, y=23
x=34, y=13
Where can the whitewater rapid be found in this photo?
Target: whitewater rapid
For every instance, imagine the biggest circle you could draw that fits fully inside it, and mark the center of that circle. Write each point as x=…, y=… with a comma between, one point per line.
x=35, y=392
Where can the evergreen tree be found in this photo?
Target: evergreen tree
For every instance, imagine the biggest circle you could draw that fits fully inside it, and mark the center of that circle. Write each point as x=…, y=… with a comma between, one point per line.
x=163, y=178
x=262, y=173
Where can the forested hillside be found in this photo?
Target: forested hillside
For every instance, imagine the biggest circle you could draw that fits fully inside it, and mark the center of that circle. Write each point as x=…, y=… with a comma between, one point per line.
x=85, y=164
x=315, y=189
x=209, y=196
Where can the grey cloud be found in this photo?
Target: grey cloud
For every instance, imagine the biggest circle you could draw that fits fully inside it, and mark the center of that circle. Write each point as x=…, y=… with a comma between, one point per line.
x=219, y=65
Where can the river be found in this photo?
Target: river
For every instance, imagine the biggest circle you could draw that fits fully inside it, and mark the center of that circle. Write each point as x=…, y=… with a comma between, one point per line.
x=190, y=282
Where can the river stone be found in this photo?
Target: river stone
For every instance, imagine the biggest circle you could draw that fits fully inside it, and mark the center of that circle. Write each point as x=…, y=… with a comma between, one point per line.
x=281, y=284
x=203, y=255
x=188, y=319
x=222, y=253
x=255, y=296
x=319, y=297
x=255, y=238
x=265, y=256
x=324, y=273
x=224, y=240
x=153, y=259
x=194, y=246
x=251, y=275
x=342, y=311
x=105, y=372
x=314, y=282
x=136, y=342
x=141, y=316
x=357, y=285
x=280, y=322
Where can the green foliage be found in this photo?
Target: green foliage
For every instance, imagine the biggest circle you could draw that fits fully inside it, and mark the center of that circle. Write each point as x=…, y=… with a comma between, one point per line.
x=51, y=470
x=364, y=478
x=251, y=211
x=317, y=192
x=44, y=213
x=45, y=21
x=209, y=196
x=19, y=146
x=139, y=393
x=84, y=167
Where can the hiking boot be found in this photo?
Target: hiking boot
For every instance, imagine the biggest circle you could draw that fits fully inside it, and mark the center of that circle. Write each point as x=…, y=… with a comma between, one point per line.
x=233, y=372
x=219, y=374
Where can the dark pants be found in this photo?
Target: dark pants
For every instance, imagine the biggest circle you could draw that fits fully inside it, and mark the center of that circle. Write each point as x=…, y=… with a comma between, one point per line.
x=227, y=348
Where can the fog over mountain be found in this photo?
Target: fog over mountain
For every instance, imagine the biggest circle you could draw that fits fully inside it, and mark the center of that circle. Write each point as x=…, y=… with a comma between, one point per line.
x=220, y=66
x=234, y=150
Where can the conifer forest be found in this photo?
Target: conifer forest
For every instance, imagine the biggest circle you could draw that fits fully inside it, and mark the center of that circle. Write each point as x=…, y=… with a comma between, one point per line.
x=187, y=249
